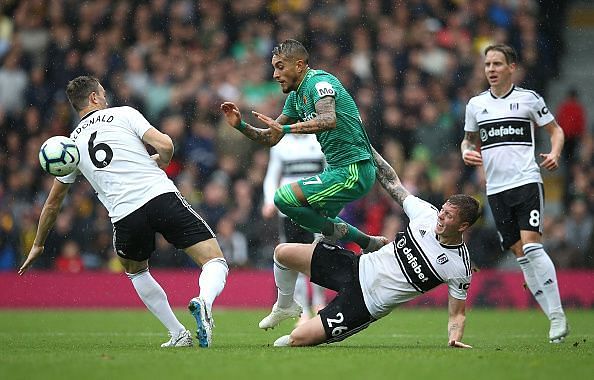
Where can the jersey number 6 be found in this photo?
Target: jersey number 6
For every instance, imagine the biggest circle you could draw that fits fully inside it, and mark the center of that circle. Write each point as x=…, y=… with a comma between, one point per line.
x=101, y=147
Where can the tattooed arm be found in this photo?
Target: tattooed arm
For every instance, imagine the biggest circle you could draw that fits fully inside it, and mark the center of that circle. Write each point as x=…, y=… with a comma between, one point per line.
x=324, y=121
x=388, y=178
x=457, y=317
x=265, y=136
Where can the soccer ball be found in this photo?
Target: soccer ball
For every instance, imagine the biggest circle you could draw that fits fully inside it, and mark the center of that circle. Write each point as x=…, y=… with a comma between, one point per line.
x=59, y=156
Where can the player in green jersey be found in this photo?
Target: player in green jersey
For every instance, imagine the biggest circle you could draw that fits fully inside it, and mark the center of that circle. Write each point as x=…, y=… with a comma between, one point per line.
x=319, y=104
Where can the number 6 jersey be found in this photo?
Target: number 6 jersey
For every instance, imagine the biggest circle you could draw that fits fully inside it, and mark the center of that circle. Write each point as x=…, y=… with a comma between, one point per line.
x=114, y=159
x=414, y=263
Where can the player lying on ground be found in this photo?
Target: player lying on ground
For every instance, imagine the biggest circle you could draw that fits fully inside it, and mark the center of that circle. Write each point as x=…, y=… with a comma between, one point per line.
x=430, y=252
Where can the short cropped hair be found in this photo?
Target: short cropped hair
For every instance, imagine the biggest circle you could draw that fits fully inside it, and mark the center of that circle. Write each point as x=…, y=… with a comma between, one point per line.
x=79, y=89
x=509, y=52
x=292, y=49
x=468, y=207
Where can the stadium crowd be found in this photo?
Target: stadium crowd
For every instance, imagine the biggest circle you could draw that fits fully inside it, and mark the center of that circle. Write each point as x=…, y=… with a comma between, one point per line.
x=411, y=66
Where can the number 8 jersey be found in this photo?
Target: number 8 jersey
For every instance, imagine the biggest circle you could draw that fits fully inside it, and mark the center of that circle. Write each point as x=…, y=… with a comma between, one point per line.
x=114, y=159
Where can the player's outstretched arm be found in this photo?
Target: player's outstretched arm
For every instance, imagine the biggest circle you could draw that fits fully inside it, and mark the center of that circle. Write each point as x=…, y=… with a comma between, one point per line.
x=324, y=121
x=468, y=147
x=388, y=178
x=457, y=317
x=550, y=161
x=266, y=136
x=48, y=216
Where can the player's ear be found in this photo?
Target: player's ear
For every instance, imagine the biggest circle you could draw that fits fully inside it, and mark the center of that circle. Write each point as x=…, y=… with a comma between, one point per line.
x=463, y=227
x=300, y=65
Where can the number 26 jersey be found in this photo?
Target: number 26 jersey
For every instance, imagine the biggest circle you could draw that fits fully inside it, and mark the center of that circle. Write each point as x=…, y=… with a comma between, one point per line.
x=114, y=159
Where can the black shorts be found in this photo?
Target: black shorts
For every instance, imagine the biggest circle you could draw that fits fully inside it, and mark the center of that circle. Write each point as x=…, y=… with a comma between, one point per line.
x=517, y=209
x=338, y=269
x=169, y=214
x=291, y=232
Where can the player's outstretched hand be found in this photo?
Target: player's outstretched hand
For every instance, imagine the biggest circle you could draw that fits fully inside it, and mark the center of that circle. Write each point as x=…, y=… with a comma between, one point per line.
x=232, y=114
x=472, y=158
x=456, y=344
x=270, y=122
x=34, y=253
x=550, y=161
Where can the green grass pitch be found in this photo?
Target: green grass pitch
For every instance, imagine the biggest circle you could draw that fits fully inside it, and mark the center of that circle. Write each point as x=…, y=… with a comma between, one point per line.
x=409, y=343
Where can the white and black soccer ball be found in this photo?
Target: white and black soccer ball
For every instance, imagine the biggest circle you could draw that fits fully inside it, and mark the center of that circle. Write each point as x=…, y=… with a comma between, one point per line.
x=59, y=156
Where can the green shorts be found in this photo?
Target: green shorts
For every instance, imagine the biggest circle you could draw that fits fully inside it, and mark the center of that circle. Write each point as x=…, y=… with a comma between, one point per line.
x=329, y=191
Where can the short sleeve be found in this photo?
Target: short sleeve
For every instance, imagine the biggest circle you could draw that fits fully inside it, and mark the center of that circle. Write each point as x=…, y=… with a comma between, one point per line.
x=70, y=178
x=540, y=113
x=321, y=89
x=416, y=207
x=458, y=287
x=470, y=124
x=289, y=109
x=138, y=123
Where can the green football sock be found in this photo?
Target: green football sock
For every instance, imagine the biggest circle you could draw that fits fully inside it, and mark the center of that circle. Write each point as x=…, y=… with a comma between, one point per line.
x=353, y=234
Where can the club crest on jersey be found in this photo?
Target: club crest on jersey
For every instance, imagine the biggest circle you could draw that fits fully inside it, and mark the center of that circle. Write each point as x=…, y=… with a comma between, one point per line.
x=442, y=259
x=514, y=106
x=304, y=99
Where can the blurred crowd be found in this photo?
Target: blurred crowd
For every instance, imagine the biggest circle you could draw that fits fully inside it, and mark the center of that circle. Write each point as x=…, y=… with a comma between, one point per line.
x=411, y=66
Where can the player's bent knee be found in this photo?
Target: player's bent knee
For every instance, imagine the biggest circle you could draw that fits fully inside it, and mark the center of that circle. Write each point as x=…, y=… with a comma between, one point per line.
x=281, y=253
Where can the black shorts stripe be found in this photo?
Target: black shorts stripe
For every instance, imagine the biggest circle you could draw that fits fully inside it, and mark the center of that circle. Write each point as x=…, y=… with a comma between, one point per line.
x=190, y=209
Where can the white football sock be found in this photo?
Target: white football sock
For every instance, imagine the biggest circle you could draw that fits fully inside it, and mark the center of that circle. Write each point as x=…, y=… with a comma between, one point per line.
x=533, y=283
x=285, y=280
x=318, y=295
x=301, y=292
x=155, y=299
x=212, y=280
x=545, y=273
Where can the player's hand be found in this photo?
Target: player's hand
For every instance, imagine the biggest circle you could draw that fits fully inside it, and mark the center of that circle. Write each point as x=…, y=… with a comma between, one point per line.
x=455, y=344
x=34, y=253
x=268, y=211
x=232, y=114
x=550, y=161
x=472, y=158
x=270, y=122
x=157, y=158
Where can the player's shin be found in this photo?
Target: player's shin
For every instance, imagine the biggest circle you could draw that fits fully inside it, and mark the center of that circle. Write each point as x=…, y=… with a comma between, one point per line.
x=533, y=283
x=545, y=273
x=285, y=280
x=155, y=299
x=212, y=280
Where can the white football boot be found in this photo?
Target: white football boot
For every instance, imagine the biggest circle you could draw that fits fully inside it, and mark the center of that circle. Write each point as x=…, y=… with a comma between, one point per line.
x=559, y=328
x=183, y=339
x=204, y=321
x=283, y=341
x=277, y=315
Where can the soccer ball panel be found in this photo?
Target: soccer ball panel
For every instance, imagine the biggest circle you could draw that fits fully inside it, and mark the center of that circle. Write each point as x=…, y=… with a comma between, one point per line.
x=59, y=156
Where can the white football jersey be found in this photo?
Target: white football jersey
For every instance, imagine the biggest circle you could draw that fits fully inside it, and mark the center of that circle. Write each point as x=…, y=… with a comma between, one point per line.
x=506, y=129
x=115, y=161
x=414, y=263
x=295, y=157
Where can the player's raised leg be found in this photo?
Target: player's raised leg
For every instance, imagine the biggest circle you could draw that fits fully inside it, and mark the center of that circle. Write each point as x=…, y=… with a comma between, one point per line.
x=212, y=280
